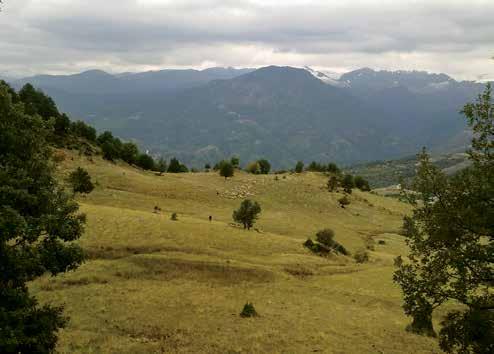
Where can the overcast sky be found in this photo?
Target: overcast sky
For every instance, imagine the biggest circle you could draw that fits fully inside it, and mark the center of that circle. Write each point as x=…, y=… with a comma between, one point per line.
x=67, y=36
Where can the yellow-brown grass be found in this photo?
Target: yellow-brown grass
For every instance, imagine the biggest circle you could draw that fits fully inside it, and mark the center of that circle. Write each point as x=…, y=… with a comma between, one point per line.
x=154, y=285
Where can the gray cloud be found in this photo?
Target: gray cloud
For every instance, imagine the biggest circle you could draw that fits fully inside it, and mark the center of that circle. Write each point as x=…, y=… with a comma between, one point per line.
x=62, y=36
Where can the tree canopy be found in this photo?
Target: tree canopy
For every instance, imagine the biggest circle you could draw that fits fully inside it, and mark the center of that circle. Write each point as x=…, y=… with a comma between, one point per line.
x=247, y=213
x=451, y=241
x=38, y=224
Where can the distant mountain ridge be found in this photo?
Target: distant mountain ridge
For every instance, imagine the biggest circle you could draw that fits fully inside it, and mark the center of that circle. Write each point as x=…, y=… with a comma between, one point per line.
x=282, y=113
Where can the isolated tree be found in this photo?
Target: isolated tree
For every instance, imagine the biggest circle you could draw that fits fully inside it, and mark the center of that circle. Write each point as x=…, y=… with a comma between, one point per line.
x=347, y=183
x=332, y=183
x=174, y=166
x=361, y=183
x=38, y=223
x=299, y=167
x=235, y=161
x=226, y=169
x=264, y=166
x=247, y=213
x=207, y=167
x=451, y=241
x=80, y=181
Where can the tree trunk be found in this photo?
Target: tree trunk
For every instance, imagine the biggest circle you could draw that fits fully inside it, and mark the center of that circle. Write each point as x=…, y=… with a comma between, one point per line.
x=422, y=323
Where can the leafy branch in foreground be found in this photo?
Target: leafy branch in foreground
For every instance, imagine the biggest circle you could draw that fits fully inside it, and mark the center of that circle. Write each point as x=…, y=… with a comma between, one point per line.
x=451, y=241
x=38, y=224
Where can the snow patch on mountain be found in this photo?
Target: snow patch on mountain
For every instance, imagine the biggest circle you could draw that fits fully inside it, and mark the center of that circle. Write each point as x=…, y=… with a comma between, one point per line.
x=326, y=77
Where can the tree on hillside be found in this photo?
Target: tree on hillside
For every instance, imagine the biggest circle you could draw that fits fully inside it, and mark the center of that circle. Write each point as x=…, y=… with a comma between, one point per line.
x=80, y=181
x=226, y=169
x=253, y=167
x=451, y=241
x=299, y=167
x=333, y=168
x=347, y=183
x=176, y=167
x=38, y=224
x=247, y=213
x=145, y=162
x=129, y=152
x=235, y=161
x=161, y=165
x=361, y=184
x=36, y=102
x=332, y=183
x=264, y=166
x=83, y=130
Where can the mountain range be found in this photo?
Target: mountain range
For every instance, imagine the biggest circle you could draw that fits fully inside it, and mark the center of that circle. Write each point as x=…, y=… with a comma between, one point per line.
x=283, y=114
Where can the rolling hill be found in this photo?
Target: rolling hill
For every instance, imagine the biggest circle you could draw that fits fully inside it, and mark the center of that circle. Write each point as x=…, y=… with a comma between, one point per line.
x=156, y=285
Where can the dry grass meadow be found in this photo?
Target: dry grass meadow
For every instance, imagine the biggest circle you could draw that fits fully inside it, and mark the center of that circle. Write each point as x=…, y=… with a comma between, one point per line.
x=153, y=285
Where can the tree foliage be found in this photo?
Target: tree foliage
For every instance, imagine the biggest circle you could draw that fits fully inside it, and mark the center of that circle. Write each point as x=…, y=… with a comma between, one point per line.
x=299, y=167
x=80, y=180
x=247, y=213
x=226, y=169
x=451, y=241
x=348, y=183
x=38, y=224
x=264, y=166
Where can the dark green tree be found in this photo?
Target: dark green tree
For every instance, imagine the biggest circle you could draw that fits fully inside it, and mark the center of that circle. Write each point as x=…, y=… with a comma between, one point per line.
x=299, y=167
x=174, y=166
x=80, y=181
x=83, y=130
x=333, y=168
x=235, y=161
x=451, y=241
x=333, y=183
x=38, y=224
x=161, y=165
x=361, y=183
x=226, y=169
x=129, y=152
x=347, y=183
x=36, y=102
x=145, y=162
x=247, y=213
x=264, y=166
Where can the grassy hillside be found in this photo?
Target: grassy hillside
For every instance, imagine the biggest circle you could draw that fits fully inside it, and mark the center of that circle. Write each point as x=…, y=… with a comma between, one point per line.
x=154, y=285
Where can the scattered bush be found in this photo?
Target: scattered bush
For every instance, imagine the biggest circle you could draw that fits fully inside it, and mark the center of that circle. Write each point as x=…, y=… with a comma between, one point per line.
x=381, y=242
x=235, y=161
x=332, y=183
x=369, y=243
x=361, y=184
x=176, y=167
x=174, y=217
x=145, y=162
x=348, y=183
x=264, y=166
x=80, y=180
x=247, y=213
x=325, y=243
x=344, y=201
x=299, y=167
x=253, y=167
x=249, y=311
x=361, y=256
x=332, y=168
x=226, y=169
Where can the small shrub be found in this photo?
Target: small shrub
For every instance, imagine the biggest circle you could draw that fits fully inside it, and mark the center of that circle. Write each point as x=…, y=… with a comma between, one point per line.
x=174, y=217
x=369, y=243
x=344, y=201
x=249, y=311
x=325, y=243
x=361, y=256
x=381, y=242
